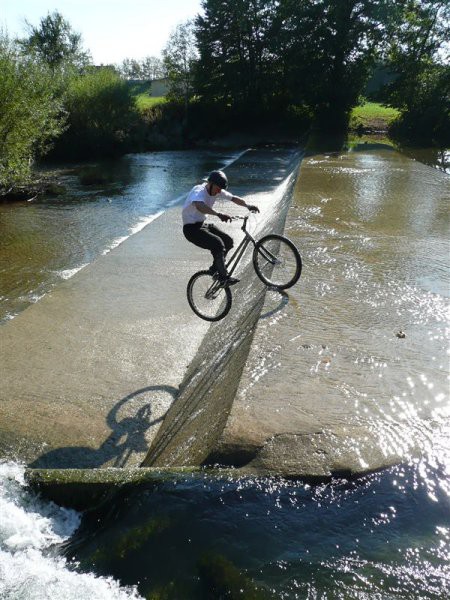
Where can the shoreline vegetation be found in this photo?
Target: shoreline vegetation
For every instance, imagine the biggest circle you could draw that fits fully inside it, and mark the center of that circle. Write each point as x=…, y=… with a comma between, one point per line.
x=369, y=123
x=270, y=71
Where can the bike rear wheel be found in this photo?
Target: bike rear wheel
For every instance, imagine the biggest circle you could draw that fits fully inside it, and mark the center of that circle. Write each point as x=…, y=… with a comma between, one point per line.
x=277, y=261
x=207, y=297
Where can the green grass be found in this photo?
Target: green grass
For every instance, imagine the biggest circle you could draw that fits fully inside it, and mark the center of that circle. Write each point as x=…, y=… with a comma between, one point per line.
x=372, y=115
x=144, y=101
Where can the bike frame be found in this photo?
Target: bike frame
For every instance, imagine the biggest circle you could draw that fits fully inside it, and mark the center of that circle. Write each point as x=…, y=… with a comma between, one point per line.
x=239, y=252
x=237, y=255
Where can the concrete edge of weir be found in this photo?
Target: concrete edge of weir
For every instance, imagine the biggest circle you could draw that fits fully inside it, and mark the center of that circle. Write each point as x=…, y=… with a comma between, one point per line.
x=88, y=489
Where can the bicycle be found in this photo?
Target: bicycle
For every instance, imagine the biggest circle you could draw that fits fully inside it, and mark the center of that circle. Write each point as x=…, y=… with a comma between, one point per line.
x=277, y=263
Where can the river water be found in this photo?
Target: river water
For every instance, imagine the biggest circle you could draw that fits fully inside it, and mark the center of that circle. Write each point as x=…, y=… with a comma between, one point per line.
x=372, y=226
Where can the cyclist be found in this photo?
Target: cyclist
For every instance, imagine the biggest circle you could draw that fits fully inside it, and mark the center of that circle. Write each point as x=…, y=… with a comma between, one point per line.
x=198, y=204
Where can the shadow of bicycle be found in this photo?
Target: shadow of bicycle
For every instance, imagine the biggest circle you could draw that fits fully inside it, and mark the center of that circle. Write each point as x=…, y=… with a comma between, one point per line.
x=130, y=421
x=276, y=300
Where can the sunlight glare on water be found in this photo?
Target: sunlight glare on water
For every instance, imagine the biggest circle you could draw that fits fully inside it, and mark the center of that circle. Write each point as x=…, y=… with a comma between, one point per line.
x=360, y=345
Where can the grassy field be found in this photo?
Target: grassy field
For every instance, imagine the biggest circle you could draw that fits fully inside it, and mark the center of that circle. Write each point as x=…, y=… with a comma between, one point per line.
x=141, y=91
x=145, y=101
x=373, y=116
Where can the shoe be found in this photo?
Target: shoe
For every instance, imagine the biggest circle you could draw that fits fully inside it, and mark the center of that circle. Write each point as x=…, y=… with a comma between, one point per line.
x=212, y=270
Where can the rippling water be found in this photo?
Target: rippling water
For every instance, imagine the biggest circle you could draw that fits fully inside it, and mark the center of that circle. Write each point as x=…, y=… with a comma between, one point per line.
x=373, y=231
x=361, y=344
x=384, y=536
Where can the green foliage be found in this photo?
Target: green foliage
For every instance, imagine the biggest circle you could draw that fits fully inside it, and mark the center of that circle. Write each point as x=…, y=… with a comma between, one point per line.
x=238, y=54
x=100, y=111
x=144, y=101
x=30, y=113
x=179, y=56
x=330, y=48
x=54, y=42
x=418, y=55
x=272, y=54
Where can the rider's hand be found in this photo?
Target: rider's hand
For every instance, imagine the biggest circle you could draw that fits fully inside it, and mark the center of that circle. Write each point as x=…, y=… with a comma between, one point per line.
x=223, y=217
x=252, y=208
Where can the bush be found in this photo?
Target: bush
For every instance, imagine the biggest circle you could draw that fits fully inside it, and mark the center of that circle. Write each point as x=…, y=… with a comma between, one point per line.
x=100, y=114
x=30, y=114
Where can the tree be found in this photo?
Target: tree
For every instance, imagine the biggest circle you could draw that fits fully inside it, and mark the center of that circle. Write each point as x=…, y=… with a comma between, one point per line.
x=329, y=47
x=152, y=68
x=54, y=42
x=131, y=69
x=179, y=57
x=100, y=111
x=271, y=56
x=235, y=42
x=31, y=114
x=418, y=56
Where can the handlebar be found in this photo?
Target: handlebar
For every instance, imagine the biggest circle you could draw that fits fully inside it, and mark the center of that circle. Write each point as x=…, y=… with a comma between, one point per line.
x=244, y=224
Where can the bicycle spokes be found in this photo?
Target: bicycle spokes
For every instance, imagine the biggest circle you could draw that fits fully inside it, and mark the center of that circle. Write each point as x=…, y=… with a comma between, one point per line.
x=208, y=298
x=277, y=261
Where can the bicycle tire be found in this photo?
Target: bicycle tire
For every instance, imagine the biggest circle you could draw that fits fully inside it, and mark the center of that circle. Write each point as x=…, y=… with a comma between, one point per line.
x=274, y=251
x=207, y=298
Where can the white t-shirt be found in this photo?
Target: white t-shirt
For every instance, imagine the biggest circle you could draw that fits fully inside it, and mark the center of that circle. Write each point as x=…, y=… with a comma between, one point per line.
x=199, y=193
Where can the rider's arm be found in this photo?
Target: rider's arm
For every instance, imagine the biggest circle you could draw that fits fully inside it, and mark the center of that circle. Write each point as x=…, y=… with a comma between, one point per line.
x=207, y=210
x=242, y=202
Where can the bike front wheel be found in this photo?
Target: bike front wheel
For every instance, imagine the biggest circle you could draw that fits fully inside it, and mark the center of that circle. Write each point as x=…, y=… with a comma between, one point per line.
x=277, y=261
x=207, y=297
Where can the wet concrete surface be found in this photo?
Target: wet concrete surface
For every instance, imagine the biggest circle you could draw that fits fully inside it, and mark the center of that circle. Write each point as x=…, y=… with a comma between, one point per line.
x=89, y=371
x=195, y=422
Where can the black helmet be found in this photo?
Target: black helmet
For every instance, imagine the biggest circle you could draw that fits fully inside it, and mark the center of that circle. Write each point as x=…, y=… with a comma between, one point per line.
x=218, y=178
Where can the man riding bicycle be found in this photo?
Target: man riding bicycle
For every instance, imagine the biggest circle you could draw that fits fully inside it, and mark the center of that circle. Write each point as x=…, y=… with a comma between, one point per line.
x=198, y=204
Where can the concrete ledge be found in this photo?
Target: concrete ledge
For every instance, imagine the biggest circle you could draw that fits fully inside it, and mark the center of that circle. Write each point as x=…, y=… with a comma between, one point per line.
x=86, y=489
x=89, y=372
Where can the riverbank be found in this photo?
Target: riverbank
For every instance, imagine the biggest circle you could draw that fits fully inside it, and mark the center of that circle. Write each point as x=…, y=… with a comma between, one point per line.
x=42, y=184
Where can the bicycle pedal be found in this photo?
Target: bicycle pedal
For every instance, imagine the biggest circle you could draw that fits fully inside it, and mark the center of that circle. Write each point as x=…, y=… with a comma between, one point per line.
x=230, y=281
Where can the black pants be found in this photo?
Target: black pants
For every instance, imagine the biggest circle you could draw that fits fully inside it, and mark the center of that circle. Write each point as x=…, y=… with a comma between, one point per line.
x=211, y=238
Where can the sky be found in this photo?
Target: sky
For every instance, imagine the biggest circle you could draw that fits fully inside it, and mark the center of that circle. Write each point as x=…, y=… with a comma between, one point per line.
x=111, y=29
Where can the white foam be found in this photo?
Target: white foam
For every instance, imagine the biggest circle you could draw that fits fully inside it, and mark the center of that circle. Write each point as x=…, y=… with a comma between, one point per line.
x=144, y=222
x=234, y=159
x=68, y=273
x=29, y=564
x=135, y=229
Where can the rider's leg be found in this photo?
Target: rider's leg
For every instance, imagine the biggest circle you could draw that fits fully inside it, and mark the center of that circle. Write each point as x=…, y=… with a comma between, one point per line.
x=219, y=261
x=226, y=239
x=201, y=236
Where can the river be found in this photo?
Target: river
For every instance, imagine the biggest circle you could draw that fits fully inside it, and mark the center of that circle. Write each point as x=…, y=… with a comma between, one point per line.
x=373, y=227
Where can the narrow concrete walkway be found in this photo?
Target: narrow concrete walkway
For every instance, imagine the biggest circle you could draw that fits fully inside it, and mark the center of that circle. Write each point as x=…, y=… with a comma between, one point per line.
x=88, y=373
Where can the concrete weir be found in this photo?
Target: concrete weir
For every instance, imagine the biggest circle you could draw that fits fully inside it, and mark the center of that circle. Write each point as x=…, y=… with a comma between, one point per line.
x=112, y=369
